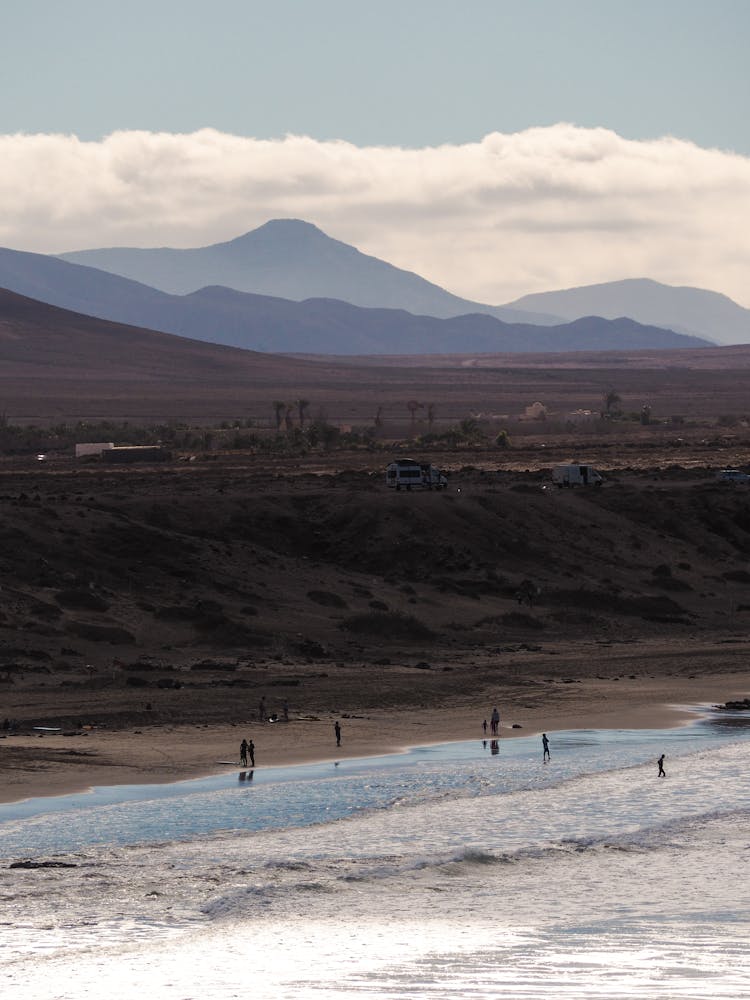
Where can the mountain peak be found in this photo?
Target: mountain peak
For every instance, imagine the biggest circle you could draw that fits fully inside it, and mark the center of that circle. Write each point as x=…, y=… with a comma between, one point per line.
x=279, y=231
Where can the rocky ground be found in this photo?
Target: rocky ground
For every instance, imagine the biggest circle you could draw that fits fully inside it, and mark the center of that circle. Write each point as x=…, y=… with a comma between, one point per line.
x=186, y=592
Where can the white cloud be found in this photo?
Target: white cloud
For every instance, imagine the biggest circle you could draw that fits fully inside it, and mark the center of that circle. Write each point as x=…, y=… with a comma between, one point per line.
x=541, y=209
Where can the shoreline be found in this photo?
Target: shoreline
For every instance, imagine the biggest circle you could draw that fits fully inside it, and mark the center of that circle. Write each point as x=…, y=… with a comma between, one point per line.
x=55, y=765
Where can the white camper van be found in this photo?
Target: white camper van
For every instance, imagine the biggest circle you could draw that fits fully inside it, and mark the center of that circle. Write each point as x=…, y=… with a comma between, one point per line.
x=575, y=475
x=407, y=474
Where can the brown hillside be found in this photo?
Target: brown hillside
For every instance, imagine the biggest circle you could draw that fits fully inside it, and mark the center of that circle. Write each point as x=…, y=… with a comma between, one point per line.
x=194, y=588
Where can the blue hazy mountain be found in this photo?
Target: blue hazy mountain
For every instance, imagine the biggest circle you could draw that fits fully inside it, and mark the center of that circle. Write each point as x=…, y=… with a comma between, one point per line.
x=688, y=310
x=315, y=326
x=291, y=259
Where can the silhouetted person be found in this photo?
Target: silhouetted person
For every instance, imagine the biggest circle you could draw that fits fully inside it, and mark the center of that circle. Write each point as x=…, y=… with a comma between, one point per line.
x=484, y=727
x=243, y=753
x=337, y=731
x=545, y=747
x=662, y=773
x=251, y=753
x=494, y=721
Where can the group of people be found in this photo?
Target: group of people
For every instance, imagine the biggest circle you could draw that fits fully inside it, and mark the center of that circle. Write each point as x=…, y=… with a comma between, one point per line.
x=265, y=716
x=495, y=725
x=247, y=747
x=495, y=732
x=247, y=751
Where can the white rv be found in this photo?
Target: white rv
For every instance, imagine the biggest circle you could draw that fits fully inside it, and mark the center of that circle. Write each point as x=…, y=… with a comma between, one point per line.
x=89, y=448
x=406, y=474
x=576, y=475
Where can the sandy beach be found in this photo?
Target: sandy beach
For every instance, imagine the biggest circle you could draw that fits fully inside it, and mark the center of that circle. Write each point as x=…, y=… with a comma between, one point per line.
x=36, y=764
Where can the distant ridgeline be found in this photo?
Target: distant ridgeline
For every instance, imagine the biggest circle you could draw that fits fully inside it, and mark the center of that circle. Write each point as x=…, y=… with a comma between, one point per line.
x=288, y=288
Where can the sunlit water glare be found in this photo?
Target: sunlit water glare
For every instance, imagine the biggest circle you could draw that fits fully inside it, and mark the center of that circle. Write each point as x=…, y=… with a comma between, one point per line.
x=449, y=871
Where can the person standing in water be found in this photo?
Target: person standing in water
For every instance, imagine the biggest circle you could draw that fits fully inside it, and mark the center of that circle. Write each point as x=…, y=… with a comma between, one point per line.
x=662, y=773
x=545, y=747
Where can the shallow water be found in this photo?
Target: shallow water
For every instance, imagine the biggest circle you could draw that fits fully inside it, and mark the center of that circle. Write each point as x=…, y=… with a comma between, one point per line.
x=450, y=871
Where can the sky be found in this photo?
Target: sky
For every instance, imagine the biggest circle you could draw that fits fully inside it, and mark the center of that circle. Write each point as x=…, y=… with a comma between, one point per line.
x=494, y=147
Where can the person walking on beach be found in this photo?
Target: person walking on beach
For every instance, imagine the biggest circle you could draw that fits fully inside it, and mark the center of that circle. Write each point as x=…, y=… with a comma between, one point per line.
x=251, y=753
x=337, y=731
x=545, y=747
x=494, y=721
x=243, y=753
x=484, y=727
x=662, y=773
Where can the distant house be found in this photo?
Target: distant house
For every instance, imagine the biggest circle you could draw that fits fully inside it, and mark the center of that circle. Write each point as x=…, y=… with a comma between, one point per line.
x=537, y=411
x=88, y=448
x=581, y=417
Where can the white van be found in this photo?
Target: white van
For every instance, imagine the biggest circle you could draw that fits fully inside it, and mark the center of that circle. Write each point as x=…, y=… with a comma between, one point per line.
x=407, y=474
x=576, y=475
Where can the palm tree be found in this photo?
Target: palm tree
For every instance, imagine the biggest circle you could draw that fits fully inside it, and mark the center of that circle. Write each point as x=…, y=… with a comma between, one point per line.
x=412, y=406
x=289, y=408
x=611, y=401
x=302, y=408
x=278, y=408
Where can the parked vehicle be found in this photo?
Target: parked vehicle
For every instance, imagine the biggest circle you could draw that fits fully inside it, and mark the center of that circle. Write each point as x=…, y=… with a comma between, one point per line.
x=733, y=476
x=576, y=475
x=407, y=474
x=433, y=478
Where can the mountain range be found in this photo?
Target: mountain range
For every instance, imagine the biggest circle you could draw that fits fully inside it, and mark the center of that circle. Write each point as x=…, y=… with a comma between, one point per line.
x=292, y=259
x=295, y=260
x=222, y=315
x=688, y=310
x=338, y=301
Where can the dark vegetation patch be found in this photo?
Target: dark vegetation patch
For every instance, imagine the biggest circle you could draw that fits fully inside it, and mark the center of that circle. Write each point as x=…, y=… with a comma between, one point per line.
x=388, y=625
x=671, y=583
x=231, y=633
x=606, y=601
x=111, y=634
x=327, y=599
x=516, y=619
x=512, y=620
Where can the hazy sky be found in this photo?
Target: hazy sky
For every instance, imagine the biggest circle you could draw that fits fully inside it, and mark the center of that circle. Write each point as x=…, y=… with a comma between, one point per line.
x=495, y=147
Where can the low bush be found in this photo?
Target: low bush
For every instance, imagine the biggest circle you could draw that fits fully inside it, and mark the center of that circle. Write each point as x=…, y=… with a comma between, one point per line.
x=388, y=624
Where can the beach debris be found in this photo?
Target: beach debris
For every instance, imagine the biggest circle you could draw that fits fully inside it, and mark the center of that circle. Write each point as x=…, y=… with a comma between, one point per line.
x=41, y=864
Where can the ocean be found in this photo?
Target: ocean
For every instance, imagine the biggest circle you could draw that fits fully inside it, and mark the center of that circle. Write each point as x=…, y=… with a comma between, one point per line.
x=461, y=870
